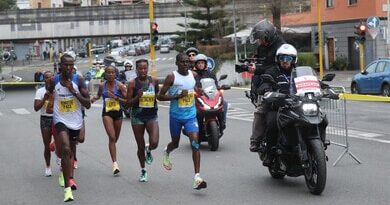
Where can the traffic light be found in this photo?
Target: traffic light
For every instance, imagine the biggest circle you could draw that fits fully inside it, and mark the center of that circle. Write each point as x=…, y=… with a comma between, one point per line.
x=316, y=38
x=153, y=33
x=360, y=32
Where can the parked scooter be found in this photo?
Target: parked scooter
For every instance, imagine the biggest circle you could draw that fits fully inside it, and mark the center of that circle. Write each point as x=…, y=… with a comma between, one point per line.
x=209, y=106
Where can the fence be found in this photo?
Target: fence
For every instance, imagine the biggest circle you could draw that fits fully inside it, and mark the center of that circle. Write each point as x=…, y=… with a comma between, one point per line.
x=337, y=130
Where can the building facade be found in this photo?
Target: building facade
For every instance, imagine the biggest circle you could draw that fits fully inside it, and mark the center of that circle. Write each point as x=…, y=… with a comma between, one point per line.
x=338, y=21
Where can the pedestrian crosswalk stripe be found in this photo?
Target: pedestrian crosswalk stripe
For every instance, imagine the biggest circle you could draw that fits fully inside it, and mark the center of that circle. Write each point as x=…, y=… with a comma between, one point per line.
x=21, y=111
x=171, y=58
x=157, y=59
x=164, y=59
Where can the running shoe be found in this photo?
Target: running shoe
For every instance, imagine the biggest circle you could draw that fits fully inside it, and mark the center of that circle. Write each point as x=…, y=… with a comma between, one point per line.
x=68, y=196
x=61, y=181
x=148, y=157
x=75, y=164
x=72, y=184
x=199, y=183
x=167, y=161
x=115, y=169
x=144, y=176
x=48, y=172
x=52, y=147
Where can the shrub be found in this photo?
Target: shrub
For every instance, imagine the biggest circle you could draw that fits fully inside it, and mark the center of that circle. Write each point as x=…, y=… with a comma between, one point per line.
x=307, y=59
x=341, y=63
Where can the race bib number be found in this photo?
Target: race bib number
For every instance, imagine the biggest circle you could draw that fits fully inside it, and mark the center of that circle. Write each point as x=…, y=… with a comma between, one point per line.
x=186, y=101
x=147, y=100
x=112, y=105
x=68, y=105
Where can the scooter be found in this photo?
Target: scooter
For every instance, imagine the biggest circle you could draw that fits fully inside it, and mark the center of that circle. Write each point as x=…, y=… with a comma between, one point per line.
x=210, y=109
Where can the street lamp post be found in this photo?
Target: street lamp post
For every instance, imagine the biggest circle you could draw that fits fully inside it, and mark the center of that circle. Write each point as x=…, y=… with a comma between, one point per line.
x=185, y=21
x=235, y=31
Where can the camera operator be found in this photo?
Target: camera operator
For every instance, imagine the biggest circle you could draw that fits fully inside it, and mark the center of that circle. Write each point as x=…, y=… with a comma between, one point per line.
x=265, y=35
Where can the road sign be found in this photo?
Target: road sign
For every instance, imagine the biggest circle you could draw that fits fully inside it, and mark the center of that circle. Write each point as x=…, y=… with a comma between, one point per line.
x=210, y=63
x=373, y=26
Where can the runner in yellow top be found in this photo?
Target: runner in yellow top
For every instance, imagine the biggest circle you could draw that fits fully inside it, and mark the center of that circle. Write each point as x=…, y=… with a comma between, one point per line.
x=114, y=93
x=141, y=95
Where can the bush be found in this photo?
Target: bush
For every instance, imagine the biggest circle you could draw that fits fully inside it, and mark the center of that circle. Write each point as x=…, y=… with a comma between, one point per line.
x=307, y=59
x=341, y=63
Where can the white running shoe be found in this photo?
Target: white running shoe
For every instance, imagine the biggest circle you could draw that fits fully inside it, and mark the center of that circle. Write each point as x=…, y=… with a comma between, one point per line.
x=48, y=172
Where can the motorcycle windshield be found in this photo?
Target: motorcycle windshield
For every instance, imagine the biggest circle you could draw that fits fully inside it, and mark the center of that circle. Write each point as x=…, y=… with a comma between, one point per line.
x=130, y=75
x=208, y=87
x=305, y=81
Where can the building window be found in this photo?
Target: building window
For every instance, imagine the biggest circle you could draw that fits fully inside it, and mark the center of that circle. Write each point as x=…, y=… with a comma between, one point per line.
x=329, y=3
x=352, y=2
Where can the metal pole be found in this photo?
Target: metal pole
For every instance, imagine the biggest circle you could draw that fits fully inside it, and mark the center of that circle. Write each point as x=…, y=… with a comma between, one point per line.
x=320, y=38
x=235, y=31
x=152, y=49
x=185, y=22
x=361, y=56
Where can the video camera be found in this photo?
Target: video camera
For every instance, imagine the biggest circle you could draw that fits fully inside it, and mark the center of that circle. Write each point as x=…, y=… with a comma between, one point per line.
x=244, y=64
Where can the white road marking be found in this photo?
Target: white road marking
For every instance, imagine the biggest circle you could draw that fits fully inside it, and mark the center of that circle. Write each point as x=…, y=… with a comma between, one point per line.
x=164, y=59
x=1, y=114
x=21, y=111
x=157, y=59
x=171, y=58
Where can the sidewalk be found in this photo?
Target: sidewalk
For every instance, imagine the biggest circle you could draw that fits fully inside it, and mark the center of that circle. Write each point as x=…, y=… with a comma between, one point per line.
x=25, y=72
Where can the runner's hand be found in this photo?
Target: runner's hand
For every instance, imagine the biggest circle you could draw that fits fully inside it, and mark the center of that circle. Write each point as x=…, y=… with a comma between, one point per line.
x=140, y=93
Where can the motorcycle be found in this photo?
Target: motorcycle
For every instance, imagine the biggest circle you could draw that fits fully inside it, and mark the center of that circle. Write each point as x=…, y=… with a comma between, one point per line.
x=301, y=130
x=210, y=105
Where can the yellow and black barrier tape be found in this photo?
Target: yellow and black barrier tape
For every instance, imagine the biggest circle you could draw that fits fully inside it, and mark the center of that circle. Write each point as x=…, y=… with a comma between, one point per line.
x=21, y=83
x=367, y=98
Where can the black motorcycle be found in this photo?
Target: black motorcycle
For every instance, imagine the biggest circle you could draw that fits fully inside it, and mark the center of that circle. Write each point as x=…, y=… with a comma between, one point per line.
x=301, y=130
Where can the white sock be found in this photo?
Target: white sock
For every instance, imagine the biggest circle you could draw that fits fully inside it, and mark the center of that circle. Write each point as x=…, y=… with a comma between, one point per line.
x=196, y=175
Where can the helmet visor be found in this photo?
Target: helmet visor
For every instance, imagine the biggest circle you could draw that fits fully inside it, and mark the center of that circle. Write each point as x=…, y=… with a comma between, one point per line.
x=285, y=58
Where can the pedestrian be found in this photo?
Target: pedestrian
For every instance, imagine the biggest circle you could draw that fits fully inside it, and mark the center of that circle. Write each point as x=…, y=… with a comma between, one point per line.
x=180, y=85
x=70, y=95
x=114, y=93
x=141, y=96
x=44, y=99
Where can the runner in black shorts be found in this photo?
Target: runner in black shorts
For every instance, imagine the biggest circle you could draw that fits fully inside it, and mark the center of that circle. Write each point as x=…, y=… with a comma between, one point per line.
x=44, y=102
x=141, y=96
x=114, y=93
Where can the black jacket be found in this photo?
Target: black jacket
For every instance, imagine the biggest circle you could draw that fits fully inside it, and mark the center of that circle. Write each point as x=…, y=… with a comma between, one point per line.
x=266, y=56
x=204, y=74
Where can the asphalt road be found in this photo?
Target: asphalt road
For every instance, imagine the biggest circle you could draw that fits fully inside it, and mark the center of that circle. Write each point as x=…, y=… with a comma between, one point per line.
x=234, y=175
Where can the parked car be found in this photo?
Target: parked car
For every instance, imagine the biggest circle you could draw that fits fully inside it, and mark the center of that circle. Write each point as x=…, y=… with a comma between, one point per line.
x=164, y=48
x=375, y=79
x=108, y=60
x=82, y=53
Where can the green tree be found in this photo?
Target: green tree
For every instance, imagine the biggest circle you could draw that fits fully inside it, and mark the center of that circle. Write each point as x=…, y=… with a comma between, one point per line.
x=7, y=4
x=212, y=20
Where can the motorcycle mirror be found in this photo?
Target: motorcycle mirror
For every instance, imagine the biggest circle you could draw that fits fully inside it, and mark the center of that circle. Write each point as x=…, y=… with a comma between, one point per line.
x=328, y=77
x=223, y=77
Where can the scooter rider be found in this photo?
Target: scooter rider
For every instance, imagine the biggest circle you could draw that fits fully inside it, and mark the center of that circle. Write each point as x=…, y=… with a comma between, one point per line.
x=265, y=34
x=202, y=71
x=191, y=53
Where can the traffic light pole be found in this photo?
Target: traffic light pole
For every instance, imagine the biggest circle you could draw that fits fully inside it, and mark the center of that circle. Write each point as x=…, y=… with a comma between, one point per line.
x=320, y=38
x=361, y=56
x=152, y=48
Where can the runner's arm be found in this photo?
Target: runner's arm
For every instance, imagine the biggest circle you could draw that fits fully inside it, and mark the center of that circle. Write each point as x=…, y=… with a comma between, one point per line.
x=130, y=90
x=98, y=95
x=162, y=95
x=82, y=95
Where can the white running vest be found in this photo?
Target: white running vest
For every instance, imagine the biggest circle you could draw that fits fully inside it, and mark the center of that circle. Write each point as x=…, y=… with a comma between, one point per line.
x=67, y=109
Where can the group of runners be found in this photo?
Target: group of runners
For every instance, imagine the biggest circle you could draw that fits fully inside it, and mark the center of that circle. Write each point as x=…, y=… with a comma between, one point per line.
x=64, y=97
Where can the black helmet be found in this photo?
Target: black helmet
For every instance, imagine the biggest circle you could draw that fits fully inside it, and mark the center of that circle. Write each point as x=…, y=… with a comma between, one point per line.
x=192, y=49
x=265, y=30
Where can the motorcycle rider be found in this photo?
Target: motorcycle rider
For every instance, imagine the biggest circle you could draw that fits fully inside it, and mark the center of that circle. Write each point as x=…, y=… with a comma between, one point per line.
x=265, y=34
x=286, y=58
x=122, y=76
x=191, y=53
x=202, y=71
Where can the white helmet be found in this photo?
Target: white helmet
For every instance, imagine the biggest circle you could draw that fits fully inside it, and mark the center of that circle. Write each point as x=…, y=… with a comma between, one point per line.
x=128, y=62
x=200, y=57
x=287, y=49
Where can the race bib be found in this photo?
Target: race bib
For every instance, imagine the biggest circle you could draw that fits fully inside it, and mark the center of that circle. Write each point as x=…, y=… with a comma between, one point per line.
x=67, y=104
x=186, y=101
x=147, y=100
x=112, y=105
x=46, y=104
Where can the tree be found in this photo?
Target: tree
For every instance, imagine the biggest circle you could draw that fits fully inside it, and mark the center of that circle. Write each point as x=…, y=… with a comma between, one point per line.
x=212, y=20
x=7, y=4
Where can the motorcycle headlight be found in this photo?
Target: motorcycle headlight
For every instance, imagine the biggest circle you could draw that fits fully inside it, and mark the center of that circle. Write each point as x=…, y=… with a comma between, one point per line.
x=219, y=103
x=204, y=104
x=310, y=109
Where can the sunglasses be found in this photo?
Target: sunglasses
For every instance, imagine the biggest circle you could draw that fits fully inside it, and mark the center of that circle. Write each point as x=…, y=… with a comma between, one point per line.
x=285, y=58
x=192, y=54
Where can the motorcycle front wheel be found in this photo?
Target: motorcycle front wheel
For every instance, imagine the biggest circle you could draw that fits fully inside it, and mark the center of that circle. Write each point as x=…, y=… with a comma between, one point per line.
x=213, y=132
x=315, y=174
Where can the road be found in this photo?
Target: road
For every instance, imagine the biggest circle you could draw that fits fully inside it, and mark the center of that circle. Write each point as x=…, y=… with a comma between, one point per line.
x=234, y=175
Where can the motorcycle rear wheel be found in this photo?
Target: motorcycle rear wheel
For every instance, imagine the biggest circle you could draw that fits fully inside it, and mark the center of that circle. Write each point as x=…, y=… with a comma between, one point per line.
x=315, y=174
x=213, y=132
x=273, y=171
